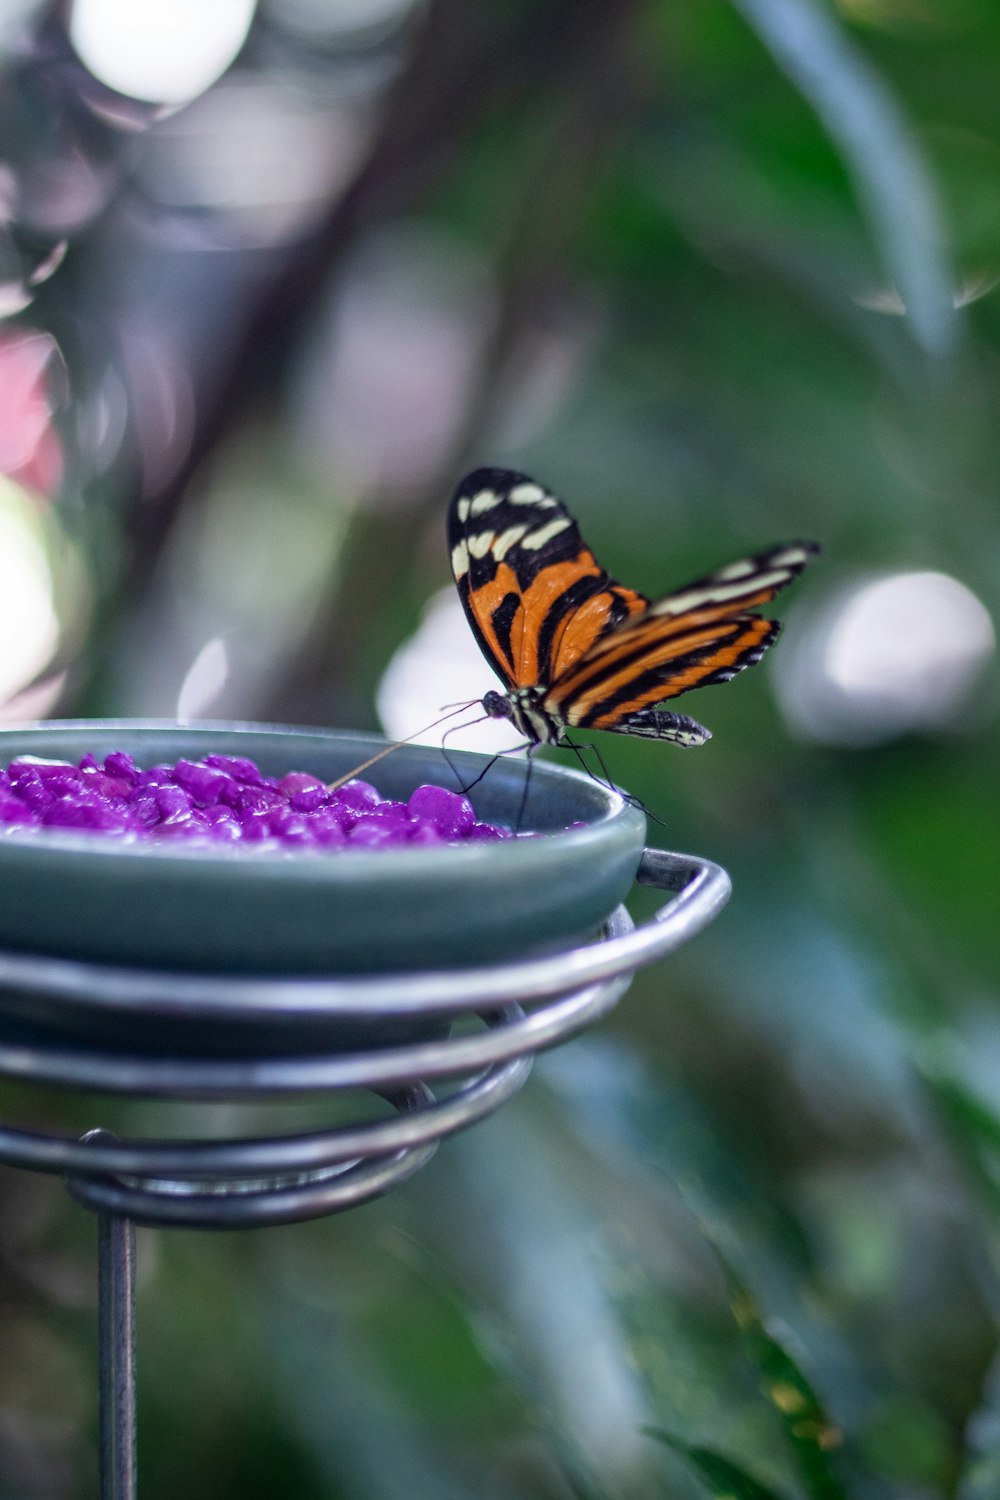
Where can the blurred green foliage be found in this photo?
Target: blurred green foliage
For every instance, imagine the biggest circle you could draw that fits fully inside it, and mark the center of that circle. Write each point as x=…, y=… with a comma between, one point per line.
x=729, y=277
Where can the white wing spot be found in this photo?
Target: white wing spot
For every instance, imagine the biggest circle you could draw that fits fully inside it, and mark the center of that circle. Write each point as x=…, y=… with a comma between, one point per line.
x=462, y=509
x=460, y=560
x=736, y=570
x=531, y=494
x=544, y=535
x=506, y=540
x=792, y=557
x=481, y=543
x=484, y=501
x=679, y=604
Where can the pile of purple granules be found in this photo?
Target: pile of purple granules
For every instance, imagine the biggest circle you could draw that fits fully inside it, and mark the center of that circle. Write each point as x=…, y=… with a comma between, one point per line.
x=224, y=799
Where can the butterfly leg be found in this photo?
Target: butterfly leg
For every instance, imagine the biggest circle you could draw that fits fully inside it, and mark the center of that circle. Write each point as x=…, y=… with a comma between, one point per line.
x=578, y=752
x=455, y=729
x=529, y=763
x=626, y=796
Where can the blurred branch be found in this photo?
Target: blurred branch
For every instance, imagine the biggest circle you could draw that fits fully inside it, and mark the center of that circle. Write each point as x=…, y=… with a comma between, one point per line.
x=598, y=86
x=464, y=60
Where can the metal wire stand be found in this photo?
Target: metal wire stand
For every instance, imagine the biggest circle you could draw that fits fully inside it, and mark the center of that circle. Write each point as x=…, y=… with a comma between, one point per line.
x=473, y=1031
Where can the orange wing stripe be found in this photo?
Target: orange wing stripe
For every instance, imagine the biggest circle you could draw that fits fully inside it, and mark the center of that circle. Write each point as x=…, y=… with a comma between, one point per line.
x=578, y=632
x=629, y=645
x=625, y=637
x=666, y=684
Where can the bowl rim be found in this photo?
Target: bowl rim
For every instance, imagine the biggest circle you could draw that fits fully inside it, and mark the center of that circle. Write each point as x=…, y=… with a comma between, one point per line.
x=617, y=808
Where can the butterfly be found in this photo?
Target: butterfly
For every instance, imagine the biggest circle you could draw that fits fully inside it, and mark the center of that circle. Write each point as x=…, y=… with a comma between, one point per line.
x=574, y=648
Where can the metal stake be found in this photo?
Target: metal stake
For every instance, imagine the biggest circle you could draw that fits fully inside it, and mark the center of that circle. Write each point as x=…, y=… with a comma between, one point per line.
x=116, y=1347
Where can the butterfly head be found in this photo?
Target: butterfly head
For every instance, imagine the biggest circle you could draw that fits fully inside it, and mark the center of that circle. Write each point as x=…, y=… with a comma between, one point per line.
x=498, y=705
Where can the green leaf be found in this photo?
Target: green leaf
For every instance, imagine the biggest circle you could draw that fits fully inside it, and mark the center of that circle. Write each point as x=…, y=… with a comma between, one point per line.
x=968, y=1121
x=810, y=1434
x=980, y=1471
x=867, y=126
x=725, y=1479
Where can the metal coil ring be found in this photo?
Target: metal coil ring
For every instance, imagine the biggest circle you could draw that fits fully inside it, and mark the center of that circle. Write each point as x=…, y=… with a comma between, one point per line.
x=243, y=1182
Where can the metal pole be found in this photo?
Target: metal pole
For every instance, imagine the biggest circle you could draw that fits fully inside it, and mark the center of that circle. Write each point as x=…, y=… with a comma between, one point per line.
x=116, y=1348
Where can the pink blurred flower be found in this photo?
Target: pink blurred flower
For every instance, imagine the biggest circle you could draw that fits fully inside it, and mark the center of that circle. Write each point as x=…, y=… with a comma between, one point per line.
x=30, y=449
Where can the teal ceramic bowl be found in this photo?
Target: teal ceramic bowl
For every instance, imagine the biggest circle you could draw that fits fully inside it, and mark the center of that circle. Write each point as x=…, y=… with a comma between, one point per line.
x=242, y=911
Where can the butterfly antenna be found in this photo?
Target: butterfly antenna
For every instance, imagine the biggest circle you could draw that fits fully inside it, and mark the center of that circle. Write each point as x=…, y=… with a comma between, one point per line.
x=332, y=786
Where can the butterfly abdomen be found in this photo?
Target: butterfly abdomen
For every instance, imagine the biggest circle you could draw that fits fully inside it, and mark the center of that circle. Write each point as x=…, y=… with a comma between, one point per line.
x=661, y=724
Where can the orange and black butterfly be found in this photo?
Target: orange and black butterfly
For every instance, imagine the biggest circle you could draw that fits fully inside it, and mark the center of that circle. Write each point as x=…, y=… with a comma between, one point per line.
x=574, y=648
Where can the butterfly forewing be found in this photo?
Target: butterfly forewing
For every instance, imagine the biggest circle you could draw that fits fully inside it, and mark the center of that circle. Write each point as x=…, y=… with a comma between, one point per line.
x=535, y=596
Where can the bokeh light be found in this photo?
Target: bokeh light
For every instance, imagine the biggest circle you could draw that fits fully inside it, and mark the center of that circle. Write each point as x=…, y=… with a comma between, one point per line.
x=888, y=656
x=439, y=665
x=206, y=677
x=260, y=158
x=387, y=385
x=164, y=51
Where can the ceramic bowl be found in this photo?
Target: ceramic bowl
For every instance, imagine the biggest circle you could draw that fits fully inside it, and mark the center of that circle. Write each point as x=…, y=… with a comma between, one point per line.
x=244, y=911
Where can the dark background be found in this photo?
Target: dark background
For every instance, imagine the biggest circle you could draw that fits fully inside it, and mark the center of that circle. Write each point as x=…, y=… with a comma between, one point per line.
x=721, y=274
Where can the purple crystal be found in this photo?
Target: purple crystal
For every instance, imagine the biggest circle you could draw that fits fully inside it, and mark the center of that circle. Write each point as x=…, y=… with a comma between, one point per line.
x=85, y=812
x=96, y=780
x=180, y=828
x=173, y=802
x=119, y=764
x=224, y=799
x=223, y=823
x=308, y=798
x=426, y=833
x=236, y=766
x=45, y=770
x=22, y=771
x=447, y=811
x=481, y=833
x=299, y=781
x=145, y=812
x=14, y=811
x=204, y=783
x=394, y=815
x=68, y=783
x=358, y=796
x=372, y=833
x=157, y=776
x=257, y=799
x=32, y=792
x=328, y=831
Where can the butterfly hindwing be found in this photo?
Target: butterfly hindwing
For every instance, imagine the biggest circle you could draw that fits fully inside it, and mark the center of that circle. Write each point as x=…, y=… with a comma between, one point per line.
x=535, y=596
x=694, y=637
x=603, y=692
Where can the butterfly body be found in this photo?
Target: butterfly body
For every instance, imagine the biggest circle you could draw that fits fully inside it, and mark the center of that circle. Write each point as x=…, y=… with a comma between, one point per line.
x=576, y=649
